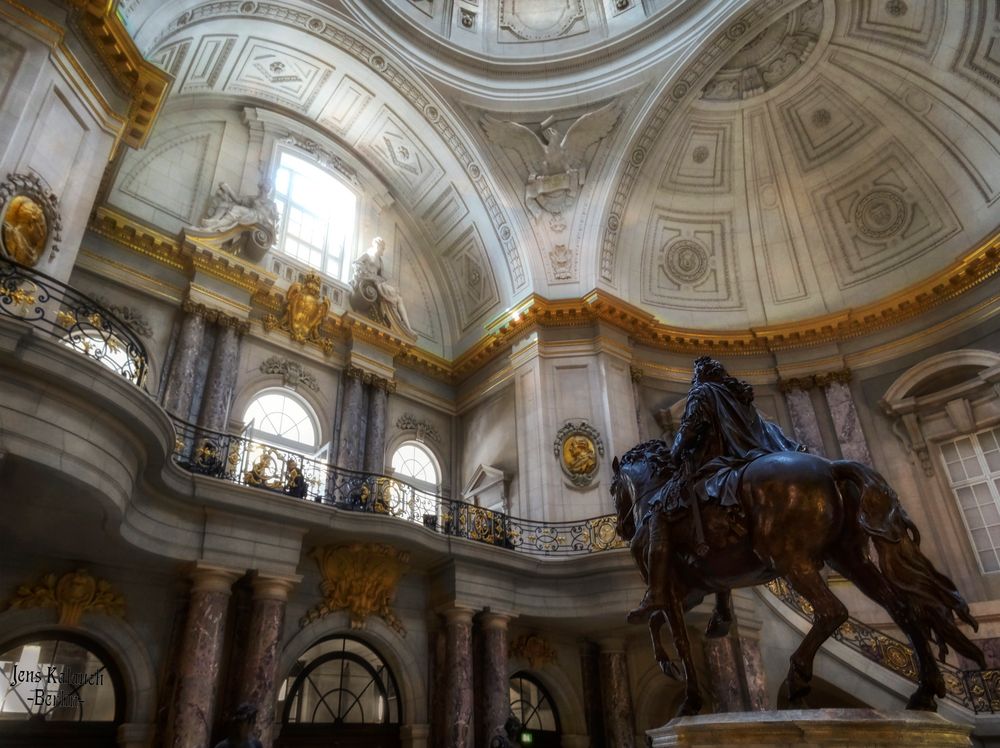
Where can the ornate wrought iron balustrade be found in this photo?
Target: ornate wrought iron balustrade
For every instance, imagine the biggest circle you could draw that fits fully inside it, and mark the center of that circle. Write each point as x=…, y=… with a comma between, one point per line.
x=251, y=463
x=978, y=690
x=73, y=319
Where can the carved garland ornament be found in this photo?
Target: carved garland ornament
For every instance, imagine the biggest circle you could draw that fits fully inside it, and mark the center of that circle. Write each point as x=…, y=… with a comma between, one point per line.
x=533, y=648
x=578, y=447
x=74, y=593
x=423, y=429
x=292, y=373
x=360, y=578
x=29, y=219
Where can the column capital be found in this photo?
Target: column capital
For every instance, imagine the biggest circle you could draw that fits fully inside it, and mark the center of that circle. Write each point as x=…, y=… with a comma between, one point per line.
x=458, y=615
x=211, y=578
x=273, y=586
x=490, y=620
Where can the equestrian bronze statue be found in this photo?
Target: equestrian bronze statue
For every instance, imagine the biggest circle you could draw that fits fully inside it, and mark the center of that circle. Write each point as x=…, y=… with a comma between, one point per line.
x=735, y=503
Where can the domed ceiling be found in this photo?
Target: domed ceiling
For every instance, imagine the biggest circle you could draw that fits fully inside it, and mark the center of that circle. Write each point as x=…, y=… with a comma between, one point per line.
x=723, y=165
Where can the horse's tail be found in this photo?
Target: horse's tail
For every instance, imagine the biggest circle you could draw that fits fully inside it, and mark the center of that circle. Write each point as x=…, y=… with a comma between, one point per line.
x=931, y=594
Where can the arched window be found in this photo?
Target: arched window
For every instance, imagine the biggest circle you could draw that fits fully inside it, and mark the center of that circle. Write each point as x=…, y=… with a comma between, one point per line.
x=58, y=689
x=281, y=419
x=340, y=689
x=317, y=215
x=531, y=705
x=416, y=499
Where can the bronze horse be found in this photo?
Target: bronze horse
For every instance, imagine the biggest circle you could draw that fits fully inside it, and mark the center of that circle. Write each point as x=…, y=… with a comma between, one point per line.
x=798, y=511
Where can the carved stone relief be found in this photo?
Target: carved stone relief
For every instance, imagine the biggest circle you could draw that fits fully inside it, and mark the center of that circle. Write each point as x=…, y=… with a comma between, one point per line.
x=978, y=60
x=409, y=163
x=131, y=316
x=702, y=159
x=278, y=73
x=292, y=373
x=471, y=277
x=911, y=25
x=770, y=57
x=882, y=217
x=30, y=219
x=423, y=430
x=688, y=261
x=72, y=594
x=541, y=20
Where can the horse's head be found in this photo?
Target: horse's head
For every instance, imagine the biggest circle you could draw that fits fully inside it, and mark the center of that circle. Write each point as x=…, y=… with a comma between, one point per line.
x=641, y=471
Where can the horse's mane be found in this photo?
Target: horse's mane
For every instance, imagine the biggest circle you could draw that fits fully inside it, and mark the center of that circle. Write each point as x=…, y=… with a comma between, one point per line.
x=655, y=451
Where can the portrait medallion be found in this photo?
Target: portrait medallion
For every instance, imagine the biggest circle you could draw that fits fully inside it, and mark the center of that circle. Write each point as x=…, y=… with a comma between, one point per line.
x=29, y=219
x=578, y=447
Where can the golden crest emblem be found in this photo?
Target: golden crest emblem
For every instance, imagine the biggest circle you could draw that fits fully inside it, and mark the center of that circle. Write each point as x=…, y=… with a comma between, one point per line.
x=29, y=217
x=305, y=311
x=579, y=449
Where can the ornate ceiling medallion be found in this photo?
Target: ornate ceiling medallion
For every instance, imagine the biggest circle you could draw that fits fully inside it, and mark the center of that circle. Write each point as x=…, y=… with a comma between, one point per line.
x=578, y=447
x=30, y=218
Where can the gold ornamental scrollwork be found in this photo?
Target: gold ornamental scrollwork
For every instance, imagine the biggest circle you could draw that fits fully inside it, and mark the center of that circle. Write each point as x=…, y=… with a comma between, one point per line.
x=305, y=311
x=73, y=594
x=534, y=649
x=578, y=447
x=29, y=219
x=360, y=578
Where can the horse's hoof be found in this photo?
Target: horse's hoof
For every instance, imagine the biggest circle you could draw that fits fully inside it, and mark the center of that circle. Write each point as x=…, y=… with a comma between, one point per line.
x=718, y=626
x=922, y=702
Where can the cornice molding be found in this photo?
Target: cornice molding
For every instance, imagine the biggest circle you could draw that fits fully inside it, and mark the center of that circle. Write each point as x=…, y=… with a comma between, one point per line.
x=144, y=84
x=598, y=306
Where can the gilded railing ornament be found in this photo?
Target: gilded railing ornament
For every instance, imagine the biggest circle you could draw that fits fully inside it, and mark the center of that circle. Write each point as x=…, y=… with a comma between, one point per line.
x=362, y=579
x=29, y=219
x=305, y=311
x=578, y=447
x=73, y=594
x=534, y=649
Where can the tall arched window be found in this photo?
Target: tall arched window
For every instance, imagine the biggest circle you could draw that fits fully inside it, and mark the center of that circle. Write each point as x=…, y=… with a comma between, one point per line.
x=279, y=418
x=282, y=454
x=416, y=499
x=317, y=215
x=530, y=703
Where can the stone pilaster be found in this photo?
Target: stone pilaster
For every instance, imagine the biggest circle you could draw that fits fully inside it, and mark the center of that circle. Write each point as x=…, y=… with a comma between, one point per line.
x=183, y=366
x=458, y=696
x=378, y=406
x=351, y=452
x=495, y=684
x=222, y=370
x=619, y=721
x=805, y=425
x=258, y=679
x=853, y=445
x=200, y=656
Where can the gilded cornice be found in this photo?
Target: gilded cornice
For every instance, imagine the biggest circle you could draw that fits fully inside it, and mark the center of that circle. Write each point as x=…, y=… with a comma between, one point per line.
x=140, y=80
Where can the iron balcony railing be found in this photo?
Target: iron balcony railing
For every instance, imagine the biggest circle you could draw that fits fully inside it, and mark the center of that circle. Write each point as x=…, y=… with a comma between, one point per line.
x=247, y=462
x=73, y=319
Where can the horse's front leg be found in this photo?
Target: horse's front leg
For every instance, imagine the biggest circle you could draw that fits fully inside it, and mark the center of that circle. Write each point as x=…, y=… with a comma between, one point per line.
x=668, y=666
x=674, y=610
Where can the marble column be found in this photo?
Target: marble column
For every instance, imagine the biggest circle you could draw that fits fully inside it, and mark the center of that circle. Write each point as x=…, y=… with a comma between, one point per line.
x=853, y=445
x=592, y=705
x=736, y=674
x=439, y=684
x=619, y=721
x=495, y=683
x=182, y=374
x=258, y=678
x=805, y=425
x=200, y=656
x=458, y=695
x=350, y=455
x=222, y=370
x=378, y=406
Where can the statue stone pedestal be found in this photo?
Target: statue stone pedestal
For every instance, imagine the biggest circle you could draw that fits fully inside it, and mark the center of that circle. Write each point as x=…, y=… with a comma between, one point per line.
x=815, y=728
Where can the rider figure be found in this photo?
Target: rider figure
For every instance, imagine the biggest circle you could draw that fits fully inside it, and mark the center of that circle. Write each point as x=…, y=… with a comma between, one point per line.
x=720, y=433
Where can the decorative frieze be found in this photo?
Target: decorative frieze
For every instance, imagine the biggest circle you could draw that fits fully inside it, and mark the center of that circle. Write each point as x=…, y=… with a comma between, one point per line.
x=423, y=430
x=73, y=594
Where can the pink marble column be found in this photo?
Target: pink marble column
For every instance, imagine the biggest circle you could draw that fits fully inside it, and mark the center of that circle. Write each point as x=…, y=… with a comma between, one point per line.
x=619, y=720
x=259, y=673
x=495, y=683
x=200, y=656
x=458, y=696
x=735, y=674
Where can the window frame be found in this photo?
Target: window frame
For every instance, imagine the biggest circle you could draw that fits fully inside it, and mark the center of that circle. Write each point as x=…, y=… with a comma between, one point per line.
x=256, y=435
x=989, y=478
x=351, y=241
x=421, y=485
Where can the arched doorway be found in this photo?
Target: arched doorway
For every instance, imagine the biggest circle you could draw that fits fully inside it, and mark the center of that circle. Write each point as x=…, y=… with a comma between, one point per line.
x=534, y=708
x=340, y=694
x=59, y=689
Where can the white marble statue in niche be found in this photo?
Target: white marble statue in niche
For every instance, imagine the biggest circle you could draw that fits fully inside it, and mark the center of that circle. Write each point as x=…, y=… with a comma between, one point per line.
x=374, y=294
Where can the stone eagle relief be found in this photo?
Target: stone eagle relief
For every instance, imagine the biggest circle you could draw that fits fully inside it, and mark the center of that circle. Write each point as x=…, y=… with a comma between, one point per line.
x=556, y=160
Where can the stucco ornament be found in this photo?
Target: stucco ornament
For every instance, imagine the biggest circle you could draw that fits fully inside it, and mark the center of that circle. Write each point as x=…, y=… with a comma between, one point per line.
x=535, y=649
x=374, y=294
x=29, y=219
x=249, y=223
x=305, y=310
x=557, y=167
x=360, y=578
x=73, y=594
x=578, y=447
